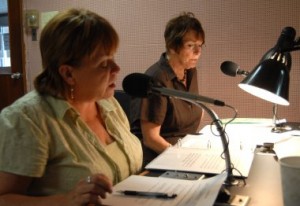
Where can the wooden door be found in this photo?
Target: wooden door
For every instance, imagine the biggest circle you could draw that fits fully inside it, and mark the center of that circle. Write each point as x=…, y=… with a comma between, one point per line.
x=12, y=79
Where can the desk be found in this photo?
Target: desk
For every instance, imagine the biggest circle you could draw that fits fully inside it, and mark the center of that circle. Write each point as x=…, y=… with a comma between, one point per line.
x=264, y=180
x=263, y=183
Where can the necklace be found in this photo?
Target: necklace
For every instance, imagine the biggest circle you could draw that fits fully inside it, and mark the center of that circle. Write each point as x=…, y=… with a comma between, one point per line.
x=184, y=76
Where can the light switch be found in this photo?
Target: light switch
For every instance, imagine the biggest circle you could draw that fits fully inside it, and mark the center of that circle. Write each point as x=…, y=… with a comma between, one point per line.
x=32, y=19
x=32, y=22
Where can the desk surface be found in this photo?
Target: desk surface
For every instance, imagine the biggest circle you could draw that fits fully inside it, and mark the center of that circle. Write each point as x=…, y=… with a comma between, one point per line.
x=263, y=183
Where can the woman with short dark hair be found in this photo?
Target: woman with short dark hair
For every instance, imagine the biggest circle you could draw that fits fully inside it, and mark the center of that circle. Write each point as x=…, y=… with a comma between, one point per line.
x=159, y=120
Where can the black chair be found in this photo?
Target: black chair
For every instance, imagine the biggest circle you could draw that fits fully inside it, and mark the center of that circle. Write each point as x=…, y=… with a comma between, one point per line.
x=124, y=100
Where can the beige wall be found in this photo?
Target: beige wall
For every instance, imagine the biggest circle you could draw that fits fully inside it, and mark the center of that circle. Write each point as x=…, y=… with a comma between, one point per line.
x=237, y=30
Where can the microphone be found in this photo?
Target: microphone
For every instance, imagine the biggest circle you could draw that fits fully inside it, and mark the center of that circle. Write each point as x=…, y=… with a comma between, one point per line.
x=142, y=85
x=232, y=69
x=286, y=39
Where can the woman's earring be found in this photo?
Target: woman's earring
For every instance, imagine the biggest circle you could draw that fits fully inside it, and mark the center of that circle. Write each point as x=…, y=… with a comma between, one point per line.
x=72, y=93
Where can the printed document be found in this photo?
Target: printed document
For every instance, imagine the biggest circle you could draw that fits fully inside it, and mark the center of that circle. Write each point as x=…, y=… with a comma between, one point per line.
x=201, y=161
x=189, y=192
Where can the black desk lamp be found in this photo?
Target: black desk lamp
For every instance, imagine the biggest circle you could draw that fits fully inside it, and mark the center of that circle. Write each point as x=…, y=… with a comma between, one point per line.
x=269, y=80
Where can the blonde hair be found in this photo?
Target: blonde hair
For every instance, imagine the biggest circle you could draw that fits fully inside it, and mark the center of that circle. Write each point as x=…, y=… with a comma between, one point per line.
x=68, y=38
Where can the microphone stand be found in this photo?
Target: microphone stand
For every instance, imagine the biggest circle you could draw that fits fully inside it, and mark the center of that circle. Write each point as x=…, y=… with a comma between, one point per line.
x=230, y=180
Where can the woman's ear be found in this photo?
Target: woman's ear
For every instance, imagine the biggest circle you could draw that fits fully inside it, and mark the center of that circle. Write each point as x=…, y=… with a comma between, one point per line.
x=172, y=51
x=66, y=72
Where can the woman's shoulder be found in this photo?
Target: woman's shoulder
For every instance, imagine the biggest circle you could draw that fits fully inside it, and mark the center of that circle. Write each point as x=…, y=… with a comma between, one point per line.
x=159, y=68
x=27, y=110
x=32, y=105
x=27, y=101
x=159, y=73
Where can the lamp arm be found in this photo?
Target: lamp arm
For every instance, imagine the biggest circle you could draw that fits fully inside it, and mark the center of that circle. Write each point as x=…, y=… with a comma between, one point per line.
x=230, y=178
x=291, y=49
x=295, y=47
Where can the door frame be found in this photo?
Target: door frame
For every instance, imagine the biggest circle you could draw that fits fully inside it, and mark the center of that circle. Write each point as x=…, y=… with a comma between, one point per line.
x=17, y=46
x=14, y=88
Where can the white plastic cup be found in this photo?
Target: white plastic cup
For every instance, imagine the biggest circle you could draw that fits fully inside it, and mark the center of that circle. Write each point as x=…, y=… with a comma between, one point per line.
x=290, y=180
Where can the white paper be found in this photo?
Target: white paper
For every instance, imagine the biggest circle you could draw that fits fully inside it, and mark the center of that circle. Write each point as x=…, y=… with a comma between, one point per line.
x=202, y=152
x=246, y=135
x=201, y=161
x=189, y=192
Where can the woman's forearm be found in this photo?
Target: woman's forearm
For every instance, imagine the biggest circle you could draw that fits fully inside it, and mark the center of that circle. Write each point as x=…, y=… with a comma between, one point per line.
x=23, y=200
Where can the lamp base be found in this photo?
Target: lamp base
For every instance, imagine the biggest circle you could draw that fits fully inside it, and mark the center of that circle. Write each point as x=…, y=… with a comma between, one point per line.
x=231, y=181
x=236, y=200
x=285, y=127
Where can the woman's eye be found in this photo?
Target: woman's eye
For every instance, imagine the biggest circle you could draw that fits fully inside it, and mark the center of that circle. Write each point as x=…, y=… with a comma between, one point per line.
x=104, y=64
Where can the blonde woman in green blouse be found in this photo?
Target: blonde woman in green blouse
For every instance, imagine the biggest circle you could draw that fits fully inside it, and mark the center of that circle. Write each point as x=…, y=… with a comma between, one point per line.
x=68, y=141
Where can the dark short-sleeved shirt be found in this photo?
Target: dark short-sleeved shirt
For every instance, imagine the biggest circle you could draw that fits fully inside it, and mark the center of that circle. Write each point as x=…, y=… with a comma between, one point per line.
x=176, y=117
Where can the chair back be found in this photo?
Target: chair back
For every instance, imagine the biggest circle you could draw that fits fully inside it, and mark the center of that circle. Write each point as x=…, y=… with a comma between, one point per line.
x=124, y=100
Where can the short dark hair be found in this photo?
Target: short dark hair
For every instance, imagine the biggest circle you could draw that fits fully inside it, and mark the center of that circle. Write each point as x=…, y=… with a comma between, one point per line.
x=177, y=27
x=68, y=38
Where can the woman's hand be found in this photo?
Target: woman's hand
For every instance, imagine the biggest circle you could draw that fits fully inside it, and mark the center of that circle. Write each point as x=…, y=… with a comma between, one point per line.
x=89, y=191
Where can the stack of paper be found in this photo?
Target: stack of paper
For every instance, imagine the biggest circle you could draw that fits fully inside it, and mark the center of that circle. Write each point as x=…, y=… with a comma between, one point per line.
x=203, y=153
x=201, y=160
x=189, y=192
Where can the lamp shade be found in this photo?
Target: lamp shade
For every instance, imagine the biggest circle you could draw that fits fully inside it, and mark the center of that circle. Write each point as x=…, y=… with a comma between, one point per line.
x=284, y=58
x=268, y=81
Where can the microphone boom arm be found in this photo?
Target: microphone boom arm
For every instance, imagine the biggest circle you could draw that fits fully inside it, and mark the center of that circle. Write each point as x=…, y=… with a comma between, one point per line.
x=185, y=95
x=230, y=178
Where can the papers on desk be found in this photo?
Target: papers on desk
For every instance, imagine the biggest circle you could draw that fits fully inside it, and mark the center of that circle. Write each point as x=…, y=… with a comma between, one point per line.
x=202, y=153
x=201, y=161
x=189, y=192
x=252, y=132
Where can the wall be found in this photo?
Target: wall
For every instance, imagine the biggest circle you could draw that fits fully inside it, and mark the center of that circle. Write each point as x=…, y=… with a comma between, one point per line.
x=237, y=30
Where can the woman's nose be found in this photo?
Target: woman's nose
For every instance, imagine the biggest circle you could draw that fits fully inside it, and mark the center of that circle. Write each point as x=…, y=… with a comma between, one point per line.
x=114, y=67
x=197, y=50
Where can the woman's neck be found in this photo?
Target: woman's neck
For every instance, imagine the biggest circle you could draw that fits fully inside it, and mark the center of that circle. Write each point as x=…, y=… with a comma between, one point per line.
x=179, y=70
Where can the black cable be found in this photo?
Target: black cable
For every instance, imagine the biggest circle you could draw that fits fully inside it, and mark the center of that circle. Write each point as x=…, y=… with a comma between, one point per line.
x=227, y=138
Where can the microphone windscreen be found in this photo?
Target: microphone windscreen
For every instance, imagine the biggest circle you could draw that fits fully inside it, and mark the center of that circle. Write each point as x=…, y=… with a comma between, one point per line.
x=229, y=68
x=137, y=84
